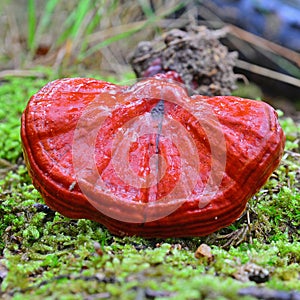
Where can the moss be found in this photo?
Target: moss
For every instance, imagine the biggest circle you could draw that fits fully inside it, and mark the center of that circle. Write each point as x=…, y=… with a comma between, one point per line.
x=14, y=93
x=52, y=257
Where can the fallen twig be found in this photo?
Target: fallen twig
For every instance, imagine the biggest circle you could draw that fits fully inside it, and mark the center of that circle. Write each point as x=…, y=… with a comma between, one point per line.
x=21, y=73
x=265, y=44
x=268, y=294
x=267, y=73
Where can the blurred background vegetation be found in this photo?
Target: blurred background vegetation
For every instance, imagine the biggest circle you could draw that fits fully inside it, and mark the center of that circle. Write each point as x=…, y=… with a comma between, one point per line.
x=97, y=36
x=76, y=36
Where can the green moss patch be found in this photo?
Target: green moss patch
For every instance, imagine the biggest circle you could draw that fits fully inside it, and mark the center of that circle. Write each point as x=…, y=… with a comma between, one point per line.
x=45, y=255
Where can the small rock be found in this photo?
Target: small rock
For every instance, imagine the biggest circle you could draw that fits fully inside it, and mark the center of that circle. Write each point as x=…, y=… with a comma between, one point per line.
x=204, y=251
x=3, y=272
x=252, y=272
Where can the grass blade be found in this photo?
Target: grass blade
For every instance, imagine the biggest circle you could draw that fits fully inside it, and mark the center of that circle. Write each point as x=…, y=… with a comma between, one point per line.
x=47, y=16
x=109, y=41
x=31, y=25
x=73, y=22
